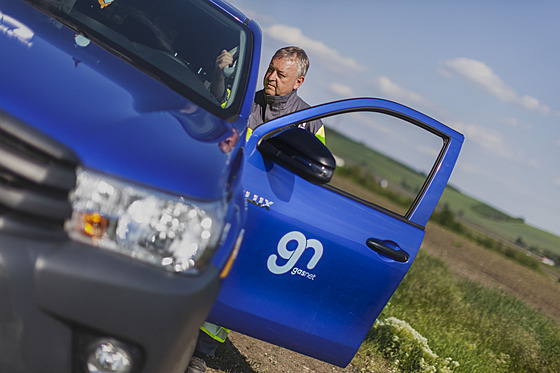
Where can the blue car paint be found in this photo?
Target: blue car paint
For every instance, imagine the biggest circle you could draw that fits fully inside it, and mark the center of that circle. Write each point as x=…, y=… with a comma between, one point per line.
x=327, y=313
x=109, y=103
x=115, y=119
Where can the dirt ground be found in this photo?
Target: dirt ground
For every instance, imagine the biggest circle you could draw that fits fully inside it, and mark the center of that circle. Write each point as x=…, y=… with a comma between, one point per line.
x=491, y=269
x=242, y=354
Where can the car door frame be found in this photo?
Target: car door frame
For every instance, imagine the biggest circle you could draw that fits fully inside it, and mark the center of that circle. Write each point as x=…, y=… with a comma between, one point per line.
x=416, y=218
x=428, y=197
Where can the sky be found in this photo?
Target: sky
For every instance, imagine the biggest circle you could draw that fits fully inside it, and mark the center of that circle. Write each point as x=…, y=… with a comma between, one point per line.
x=487, y=70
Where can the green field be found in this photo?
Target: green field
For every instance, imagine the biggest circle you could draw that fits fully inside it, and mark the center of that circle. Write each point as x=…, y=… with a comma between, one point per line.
x=473, y=213
x=436, y=322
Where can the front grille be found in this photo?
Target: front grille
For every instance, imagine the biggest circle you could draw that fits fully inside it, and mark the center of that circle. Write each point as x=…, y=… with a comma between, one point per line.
x=36, y=175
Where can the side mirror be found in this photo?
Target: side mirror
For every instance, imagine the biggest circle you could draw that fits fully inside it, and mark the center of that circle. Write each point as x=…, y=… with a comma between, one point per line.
x=302, y=153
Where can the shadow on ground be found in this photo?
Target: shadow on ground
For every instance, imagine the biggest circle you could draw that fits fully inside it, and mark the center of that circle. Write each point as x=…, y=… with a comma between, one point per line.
x=229, y=359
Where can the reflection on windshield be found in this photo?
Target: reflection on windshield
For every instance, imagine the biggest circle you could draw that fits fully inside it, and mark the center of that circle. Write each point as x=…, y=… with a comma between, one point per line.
x=227, y=145
x=199, y=124
x=175, y=40
x=12, y=28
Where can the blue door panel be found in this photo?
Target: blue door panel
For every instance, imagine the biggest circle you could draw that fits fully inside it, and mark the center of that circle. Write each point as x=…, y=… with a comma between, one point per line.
x=305, y=278
x=325, y=304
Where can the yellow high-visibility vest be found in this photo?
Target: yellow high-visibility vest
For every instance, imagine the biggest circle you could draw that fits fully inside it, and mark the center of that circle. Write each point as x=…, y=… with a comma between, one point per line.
x=215, y=331
x=320, y=134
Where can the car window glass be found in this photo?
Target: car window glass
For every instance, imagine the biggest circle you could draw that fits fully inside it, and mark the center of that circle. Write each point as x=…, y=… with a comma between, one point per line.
x=174, y=40
x=381, y=159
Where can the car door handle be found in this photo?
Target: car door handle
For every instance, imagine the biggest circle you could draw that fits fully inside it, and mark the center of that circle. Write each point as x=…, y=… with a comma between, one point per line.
x=398, y=254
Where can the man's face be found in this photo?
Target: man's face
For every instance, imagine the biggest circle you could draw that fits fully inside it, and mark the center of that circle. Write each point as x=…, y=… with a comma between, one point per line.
x=282, y=77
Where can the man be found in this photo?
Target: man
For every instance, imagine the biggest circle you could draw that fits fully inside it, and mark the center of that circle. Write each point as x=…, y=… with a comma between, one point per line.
x=286, y=73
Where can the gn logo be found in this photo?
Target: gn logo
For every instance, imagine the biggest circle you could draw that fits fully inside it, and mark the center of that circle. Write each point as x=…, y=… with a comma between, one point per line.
x=292, y=256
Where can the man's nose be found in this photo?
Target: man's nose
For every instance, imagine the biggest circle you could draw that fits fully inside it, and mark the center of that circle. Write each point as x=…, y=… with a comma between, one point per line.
x=272, y=76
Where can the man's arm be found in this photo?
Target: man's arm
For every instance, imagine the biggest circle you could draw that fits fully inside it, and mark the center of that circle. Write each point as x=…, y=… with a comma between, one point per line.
x=218, y=87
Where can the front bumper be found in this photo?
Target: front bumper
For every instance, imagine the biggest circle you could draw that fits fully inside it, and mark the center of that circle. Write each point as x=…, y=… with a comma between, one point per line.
x=56, y=294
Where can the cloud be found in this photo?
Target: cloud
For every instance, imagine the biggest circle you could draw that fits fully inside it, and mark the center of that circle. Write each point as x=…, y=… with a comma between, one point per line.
x=490, y=176
x=372, y=123
x=342, y=90
x=294, y=36
x=398, y=93
x=251, y=14
x=513, y=122
x=484, y=78
x=495, y=144
x=490, y=140
x=557, y=182
x=470, y=168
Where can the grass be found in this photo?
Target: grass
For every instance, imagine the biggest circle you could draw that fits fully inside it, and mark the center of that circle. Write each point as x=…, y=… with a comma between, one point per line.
x=436, y=322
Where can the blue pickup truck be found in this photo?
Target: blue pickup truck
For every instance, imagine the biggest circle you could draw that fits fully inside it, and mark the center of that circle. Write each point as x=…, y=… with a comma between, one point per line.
x=132, y=208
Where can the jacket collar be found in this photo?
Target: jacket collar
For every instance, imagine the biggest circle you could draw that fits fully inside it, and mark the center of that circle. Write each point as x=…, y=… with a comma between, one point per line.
x=276, y=106
x=278, y=102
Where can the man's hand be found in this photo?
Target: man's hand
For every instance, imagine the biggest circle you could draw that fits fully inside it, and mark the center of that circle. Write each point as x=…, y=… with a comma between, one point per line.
x=224, y=59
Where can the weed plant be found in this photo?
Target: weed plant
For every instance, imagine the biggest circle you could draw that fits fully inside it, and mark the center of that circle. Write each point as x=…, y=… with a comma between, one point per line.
x=436, y=322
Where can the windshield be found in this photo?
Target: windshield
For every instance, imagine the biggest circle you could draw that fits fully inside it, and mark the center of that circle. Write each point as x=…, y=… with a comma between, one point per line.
x=176, y=41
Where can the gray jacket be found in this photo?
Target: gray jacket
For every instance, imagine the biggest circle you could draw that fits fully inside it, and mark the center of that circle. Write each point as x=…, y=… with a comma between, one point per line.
x=266, y=108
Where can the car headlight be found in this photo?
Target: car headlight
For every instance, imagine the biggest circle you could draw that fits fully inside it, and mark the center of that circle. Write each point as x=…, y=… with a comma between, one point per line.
x=158, y=228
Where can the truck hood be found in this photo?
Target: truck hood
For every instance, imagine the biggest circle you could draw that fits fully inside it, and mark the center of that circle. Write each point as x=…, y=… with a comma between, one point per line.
x=114, y=117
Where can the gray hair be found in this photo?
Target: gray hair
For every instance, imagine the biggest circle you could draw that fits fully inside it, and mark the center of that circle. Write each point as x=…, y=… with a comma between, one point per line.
x=291, y=53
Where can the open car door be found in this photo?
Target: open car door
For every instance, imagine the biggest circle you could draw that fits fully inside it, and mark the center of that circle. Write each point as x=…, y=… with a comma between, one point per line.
x=322, y=256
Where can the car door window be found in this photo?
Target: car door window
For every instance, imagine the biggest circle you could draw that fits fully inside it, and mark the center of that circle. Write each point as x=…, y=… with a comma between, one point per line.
x=381, y=159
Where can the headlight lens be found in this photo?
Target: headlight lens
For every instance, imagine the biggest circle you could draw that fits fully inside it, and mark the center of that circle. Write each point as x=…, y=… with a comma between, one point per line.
x=158, y=228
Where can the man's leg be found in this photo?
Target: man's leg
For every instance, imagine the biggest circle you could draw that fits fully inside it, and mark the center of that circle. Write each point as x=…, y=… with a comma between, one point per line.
x=210, y=337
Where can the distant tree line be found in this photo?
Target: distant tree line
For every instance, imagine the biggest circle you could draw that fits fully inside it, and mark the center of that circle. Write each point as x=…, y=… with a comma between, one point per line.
x=446, y=218
x=493, y=214
x=539, y=251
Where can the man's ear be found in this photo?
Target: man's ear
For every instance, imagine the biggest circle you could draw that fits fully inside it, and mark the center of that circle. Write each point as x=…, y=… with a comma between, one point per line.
x=299, y=82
